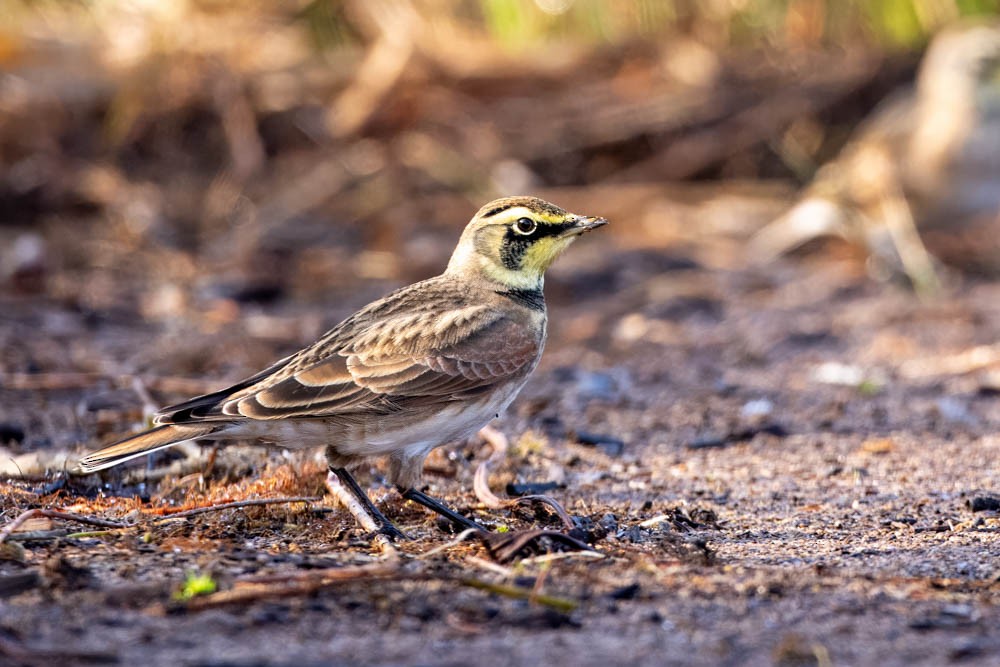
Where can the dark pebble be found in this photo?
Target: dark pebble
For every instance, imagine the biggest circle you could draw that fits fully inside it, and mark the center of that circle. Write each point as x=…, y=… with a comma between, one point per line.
x=531, y=488
x=609, y=522
x=968, y=648
x=683, y=307
x=260, y=293
x=586, y=531
x=714, y=440
x=707, y=441
x=625, y=592
x=811, y=339
x=269, y=613
x=984, y=504
x=14, y=584
x=10, y=432
x=608, y=444
x=633, y=534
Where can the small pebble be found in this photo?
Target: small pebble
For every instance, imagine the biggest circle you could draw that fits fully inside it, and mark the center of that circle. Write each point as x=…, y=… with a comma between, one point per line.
x=11, y=432
x=984, y=504
x=757, y=409
x=530, y=488
x=608, y=444
x=954, y=410
x=706, y=441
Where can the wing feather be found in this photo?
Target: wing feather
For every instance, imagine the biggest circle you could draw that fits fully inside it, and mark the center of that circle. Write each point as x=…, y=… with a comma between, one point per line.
x=386, y=357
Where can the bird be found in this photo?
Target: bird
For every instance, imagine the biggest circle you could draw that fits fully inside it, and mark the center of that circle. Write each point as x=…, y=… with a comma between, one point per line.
x=428, y=364
x=919, y=180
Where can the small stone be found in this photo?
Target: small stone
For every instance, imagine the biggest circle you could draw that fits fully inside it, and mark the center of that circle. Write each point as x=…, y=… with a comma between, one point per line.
x=984, y=504
x=11, y=433
x=956, y=411
x=625, y=592
x=757, y=409
x=706, y=441
x=608, y=444
x=530, y=488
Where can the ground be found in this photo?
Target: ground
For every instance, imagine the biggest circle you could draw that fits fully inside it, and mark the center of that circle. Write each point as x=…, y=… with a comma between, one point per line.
x=786, y=465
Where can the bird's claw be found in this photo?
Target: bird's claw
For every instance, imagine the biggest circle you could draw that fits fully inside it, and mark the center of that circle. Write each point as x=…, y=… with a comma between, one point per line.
x=505, y=547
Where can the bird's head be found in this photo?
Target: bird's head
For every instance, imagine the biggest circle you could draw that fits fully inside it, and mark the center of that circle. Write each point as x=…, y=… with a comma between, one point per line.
x=512, y=241
x=962, y=64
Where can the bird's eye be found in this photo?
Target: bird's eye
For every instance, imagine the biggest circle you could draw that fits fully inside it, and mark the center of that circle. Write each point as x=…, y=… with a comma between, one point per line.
x=525, y=226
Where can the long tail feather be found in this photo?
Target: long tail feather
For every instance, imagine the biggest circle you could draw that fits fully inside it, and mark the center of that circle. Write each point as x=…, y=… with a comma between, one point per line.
x=144, y=443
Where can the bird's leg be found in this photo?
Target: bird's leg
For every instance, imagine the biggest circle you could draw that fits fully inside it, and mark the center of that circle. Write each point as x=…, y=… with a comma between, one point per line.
x=353, y=497
x=504, y=547
x=422, y=498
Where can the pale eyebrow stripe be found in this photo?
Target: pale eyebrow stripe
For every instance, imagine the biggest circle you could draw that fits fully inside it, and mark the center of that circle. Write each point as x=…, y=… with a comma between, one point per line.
x=510, y=207
x=499, y=209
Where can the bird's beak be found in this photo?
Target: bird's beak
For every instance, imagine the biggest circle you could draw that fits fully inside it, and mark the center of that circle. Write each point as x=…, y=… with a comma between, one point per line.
x=584, y=223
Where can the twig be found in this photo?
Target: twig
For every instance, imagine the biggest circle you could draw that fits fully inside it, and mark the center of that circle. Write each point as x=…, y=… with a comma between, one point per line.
x=967, y=361
x=481, y=487
x=106, y=523
x=552, y=503
x=489, y=565
x=561, y=555
x=559, y=604
x=397, y=23
x=149, y=406
x=916, y=261
x=38, y=535
x=480, y=484
x=45, y=656
x=461, y=537
x=183, y=514
x=239, y=124
x=656, y=520
x=56, y=514
x=89, y=533
x=304, y=584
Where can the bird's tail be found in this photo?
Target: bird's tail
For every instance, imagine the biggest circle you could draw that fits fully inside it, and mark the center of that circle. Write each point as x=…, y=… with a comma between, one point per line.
x=143, y=443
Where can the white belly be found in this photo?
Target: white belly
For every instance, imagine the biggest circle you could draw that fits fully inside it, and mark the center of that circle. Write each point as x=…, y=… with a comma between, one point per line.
x=399, y=435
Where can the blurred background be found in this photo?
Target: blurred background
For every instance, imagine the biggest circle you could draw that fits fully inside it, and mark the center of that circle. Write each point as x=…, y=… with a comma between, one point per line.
x=231, y=176
x=338, y=138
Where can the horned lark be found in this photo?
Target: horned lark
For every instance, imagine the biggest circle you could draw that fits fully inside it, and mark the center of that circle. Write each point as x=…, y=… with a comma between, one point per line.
x=924, y=169
x=426, y=365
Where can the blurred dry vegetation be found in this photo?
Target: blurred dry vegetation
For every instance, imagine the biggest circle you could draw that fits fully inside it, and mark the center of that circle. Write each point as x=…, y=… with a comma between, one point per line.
x=230, y=138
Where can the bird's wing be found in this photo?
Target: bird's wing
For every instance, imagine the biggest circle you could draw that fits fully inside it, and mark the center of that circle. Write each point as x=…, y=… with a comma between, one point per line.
x=387, y=364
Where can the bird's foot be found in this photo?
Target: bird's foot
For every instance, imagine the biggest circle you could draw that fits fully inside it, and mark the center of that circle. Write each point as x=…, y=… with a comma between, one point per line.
x=343, y=487
x=509, y=546
x=390, y=532
x=459, y=521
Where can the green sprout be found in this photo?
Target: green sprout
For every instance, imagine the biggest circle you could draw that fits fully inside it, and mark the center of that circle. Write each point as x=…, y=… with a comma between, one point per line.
x=195, y=584
x=869, y=387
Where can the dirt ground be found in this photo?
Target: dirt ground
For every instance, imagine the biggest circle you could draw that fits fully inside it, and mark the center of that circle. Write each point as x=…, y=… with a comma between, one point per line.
x=784, y=472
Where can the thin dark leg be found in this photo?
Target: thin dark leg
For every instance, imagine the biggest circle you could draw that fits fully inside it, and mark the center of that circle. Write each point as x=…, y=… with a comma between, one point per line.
x=383, y=525
x=437, y=506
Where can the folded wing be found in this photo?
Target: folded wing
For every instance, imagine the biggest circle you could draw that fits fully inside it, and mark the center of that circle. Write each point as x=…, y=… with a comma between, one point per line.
x=379, y=371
